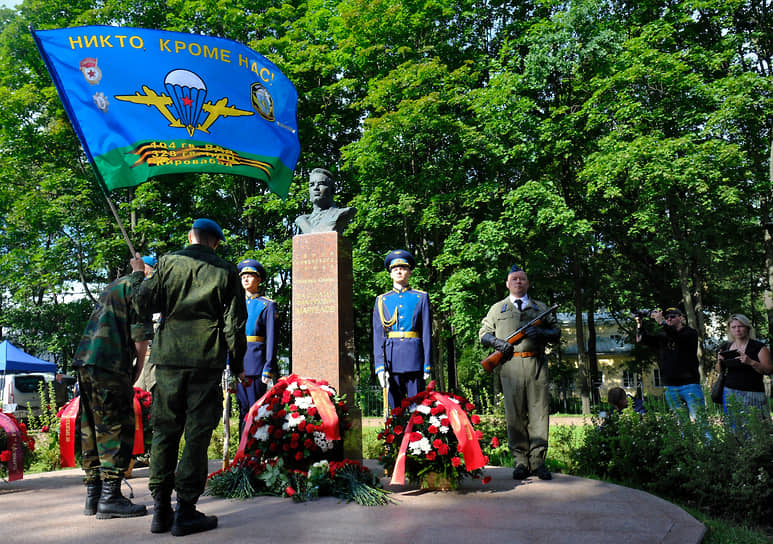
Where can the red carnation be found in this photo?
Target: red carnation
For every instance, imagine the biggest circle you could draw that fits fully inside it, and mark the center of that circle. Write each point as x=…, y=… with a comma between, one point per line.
x=415, y=436
x=494, y=442
x=302, y=425
x=44, y=428
x=5, y=456
x=390, y=438
x=439, y=409
x=290, y=491
x=281, y=413
x=416, y=419
x=380, y=436
x=445, y=422
x=278, y=433
x=432, y=429
x=437, y=443
x=398, y=429
x=475, y=419
x=469, y=407
x=308, y=443
x=427, y=402
x=405, y=403
x=297, y=393
x=486, y=479
x=442, y=449
x=285, y=447
x=388, y=422
x=298, y=455
x=312, y=411
x=478, y=434
x=293, y=408
x=431, y=456
x=456, y=461
x=398, y=411
x=295, y=437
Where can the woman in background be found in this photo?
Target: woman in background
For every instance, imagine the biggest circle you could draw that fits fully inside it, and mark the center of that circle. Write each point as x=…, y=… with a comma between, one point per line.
x=746, y=368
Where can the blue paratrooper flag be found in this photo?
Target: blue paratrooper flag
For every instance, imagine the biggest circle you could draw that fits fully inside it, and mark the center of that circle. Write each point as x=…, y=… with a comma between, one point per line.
x=149, y=102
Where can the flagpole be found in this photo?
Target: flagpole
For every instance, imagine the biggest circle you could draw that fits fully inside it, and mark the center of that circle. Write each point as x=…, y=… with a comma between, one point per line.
x=120, y=224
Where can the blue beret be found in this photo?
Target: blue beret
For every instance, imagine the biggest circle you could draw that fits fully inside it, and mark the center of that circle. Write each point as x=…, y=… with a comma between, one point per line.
x=399, y=257
x=251, y=266
x=515, y=268
x=207, y=225
x=150, y=260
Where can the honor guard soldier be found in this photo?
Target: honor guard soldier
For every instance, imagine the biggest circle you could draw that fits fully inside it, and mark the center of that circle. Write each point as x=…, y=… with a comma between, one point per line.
x=260, y=359
x=401, y=332
x=523, y=373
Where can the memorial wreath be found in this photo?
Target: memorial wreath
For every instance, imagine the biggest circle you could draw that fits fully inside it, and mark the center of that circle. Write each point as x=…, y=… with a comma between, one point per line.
x=431, y=439
x=292, y=446
x=16, y=447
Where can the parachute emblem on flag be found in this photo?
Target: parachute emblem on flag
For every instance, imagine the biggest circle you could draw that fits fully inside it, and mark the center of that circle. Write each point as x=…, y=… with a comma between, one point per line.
x=185, y=104
x=101, y=101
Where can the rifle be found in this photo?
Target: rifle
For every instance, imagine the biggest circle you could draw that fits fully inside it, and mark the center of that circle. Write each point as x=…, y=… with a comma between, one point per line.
x=493, y=360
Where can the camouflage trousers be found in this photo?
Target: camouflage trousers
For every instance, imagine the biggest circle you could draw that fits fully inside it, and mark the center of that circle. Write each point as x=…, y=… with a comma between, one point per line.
x=107, y=423
x=186, y=402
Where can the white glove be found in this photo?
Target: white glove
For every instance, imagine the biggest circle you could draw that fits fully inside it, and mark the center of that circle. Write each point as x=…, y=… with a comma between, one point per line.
x=382, y=379
x=427, y=376
x=265, y=379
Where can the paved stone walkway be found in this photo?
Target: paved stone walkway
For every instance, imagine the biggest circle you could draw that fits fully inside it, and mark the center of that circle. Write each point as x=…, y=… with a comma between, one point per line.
x=46, y=508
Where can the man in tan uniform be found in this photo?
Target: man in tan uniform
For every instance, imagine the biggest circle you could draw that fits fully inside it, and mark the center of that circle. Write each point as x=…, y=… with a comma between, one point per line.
x=523, y=372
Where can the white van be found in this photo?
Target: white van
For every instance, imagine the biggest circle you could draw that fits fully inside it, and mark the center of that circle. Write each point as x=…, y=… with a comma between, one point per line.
x=17, y=390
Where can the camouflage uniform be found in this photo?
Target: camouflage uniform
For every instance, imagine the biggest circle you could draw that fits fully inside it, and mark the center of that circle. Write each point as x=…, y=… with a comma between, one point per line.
x=104, y=362
x=203, y=317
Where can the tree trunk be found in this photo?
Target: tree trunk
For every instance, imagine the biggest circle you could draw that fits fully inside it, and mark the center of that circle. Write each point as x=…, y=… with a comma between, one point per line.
x=768, y=244
x=593, y=361
x=582, y=356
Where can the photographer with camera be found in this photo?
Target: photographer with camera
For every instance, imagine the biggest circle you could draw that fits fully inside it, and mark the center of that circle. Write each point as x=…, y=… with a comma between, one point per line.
x=677, y=346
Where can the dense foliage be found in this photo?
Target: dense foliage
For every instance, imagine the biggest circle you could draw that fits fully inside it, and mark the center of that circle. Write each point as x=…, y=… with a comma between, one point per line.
x=722, y=469
x=618, y=150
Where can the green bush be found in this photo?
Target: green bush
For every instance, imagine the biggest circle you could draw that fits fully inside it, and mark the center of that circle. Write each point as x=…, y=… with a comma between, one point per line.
x=723, y=469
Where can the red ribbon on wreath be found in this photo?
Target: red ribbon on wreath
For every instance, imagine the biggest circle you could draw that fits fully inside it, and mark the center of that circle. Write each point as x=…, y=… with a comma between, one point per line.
x=139, y=437
x=69, y=415
x=463, y=430
x=16, y=462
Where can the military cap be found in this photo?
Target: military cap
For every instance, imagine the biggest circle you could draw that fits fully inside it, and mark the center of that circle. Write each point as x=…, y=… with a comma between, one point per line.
x=251, y=266
x=399, y=257
x=671, y=311
x=515, y=268
x=207, y=225
x=150, y=261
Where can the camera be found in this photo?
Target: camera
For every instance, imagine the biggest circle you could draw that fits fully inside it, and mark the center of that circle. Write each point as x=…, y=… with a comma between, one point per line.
x=640, y=313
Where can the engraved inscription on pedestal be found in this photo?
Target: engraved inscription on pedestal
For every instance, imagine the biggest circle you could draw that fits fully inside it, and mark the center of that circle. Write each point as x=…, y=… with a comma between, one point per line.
x=323, y=324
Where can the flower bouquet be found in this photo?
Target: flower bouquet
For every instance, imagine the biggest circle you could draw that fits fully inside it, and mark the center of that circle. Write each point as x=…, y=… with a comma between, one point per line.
x=16, y=447
x=289, y=434
x=430, y=439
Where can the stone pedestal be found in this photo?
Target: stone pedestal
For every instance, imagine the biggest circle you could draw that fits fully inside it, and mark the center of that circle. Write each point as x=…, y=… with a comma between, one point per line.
x=323, y=322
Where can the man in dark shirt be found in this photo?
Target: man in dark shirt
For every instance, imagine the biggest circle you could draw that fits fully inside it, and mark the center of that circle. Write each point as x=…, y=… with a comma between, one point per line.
x=203, y=316
x=677, y=346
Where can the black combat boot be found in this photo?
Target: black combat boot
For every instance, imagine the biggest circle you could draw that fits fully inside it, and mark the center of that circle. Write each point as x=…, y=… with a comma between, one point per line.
x=112, y=504
x=93, y=491
x=188, y=520
x=163, y=515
